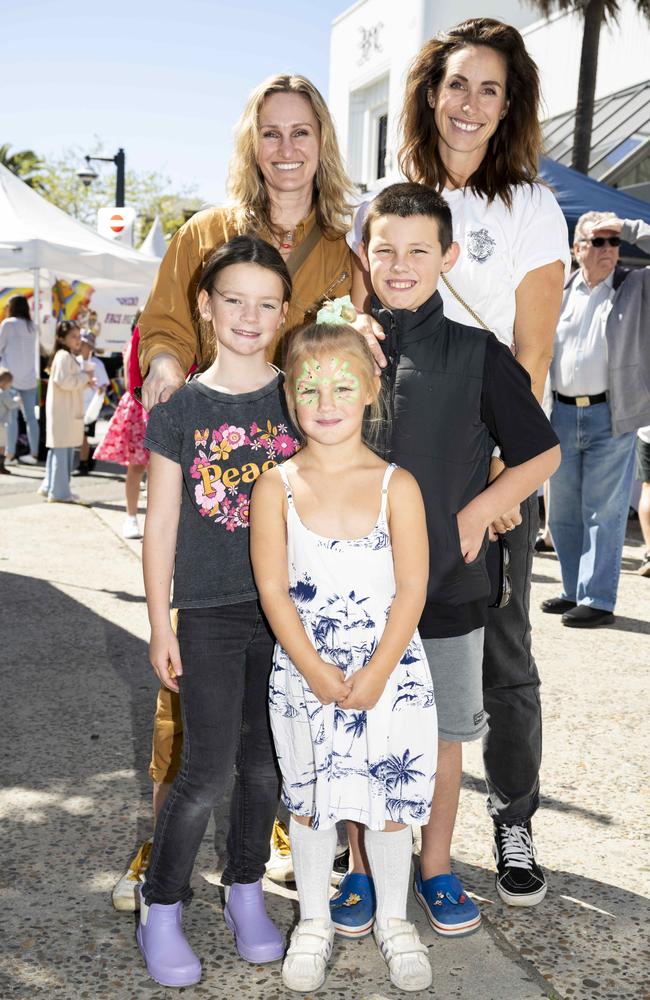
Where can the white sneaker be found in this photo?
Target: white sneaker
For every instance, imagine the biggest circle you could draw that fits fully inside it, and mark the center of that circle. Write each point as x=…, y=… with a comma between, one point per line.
x=126, y=892
x=130, y=528
x=73, y=498
x=11, y=460
x=42, y=491
x=28, y=460
x=405, y=955
x=303, y=969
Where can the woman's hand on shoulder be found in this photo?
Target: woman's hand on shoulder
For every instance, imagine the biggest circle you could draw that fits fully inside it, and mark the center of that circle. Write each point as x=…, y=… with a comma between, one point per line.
x=165, y=656
x=367, y=687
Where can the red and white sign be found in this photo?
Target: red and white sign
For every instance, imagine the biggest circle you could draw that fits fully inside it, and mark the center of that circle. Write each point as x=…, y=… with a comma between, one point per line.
x=117, y=224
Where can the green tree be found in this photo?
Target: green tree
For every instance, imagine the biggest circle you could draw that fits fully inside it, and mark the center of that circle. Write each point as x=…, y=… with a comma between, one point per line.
x=24, y=163
x=149, y=192
x=594, y=14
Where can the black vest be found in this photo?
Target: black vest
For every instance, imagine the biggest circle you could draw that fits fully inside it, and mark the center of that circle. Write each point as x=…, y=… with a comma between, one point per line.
x=433, y=381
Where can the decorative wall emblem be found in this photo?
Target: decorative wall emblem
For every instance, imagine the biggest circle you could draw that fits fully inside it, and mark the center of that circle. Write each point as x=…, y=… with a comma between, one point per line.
x=480, y=245
x=370, y=41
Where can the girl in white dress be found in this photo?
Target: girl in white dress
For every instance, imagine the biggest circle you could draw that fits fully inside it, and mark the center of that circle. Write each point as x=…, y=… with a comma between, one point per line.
x=340, y=556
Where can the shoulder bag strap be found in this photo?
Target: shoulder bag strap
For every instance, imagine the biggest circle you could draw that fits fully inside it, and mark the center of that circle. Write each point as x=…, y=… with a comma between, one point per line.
x=459, y=298
x=297, y=257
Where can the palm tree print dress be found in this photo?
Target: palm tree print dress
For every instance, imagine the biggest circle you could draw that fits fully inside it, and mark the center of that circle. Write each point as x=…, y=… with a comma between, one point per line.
x=336, y=764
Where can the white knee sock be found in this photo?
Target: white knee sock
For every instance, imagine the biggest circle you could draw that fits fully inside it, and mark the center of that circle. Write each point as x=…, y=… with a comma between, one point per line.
x=312, y=852
x=390, y=861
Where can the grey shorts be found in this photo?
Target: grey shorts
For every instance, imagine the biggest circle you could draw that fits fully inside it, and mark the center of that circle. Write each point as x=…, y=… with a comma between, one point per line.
x=642, y=460
x=456, y=666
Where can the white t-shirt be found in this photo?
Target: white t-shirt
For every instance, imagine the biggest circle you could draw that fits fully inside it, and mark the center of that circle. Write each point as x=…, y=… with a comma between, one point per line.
x=498, y=247
x=18, y=351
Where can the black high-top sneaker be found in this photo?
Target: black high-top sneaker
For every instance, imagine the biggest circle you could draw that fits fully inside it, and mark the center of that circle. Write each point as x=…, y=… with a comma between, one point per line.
x=520, y=880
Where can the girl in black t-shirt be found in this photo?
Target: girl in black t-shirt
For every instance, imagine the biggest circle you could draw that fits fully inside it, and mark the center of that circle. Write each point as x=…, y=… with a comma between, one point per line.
x=220, y=662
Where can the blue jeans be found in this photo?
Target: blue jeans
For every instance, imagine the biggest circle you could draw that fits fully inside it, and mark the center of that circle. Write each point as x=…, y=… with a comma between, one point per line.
x=58, y=469
x=28, y=404
x=226, y=654
x=590, y=497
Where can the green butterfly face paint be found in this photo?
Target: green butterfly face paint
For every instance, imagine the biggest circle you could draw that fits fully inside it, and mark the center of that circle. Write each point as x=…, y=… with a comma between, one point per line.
x=316, y=376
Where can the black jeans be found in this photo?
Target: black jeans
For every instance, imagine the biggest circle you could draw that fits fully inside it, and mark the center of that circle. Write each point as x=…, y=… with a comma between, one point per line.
x=226, y=654
x=512, y=748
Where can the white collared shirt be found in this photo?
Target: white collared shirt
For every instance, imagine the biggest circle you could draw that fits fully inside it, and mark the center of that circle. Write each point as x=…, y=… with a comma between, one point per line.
x=579, y=366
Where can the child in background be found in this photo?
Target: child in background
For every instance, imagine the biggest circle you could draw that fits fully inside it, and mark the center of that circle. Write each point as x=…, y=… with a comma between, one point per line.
x=209, y=443
x=123, y=442
x=64, y=413
x=339, y=548
x=92, y=395
x=9, y=400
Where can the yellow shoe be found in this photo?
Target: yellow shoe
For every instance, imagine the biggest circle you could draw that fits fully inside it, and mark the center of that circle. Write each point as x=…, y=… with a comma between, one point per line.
x=126, y=895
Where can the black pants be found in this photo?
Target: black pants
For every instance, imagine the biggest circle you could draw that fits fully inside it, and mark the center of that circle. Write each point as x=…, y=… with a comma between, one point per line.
x=512, y=748
x=226, y=654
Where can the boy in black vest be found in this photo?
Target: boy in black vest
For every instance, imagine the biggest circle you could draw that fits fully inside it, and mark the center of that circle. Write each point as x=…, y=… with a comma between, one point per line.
x=455, y=392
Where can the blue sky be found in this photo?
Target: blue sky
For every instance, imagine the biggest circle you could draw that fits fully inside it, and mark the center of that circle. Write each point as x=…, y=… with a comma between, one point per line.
x=166, y=81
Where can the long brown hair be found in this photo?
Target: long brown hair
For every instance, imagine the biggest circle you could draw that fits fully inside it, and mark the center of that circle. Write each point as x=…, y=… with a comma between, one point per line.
x=62, y=330
x=249, y=200
x=513, y=152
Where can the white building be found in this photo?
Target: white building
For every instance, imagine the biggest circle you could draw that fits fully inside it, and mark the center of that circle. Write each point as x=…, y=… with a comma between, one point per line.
x=374, y=41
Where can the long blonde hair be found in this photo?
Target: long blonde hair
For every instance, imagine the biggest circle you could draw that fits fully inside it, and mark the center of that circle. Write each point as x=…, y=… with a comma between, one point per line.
x=316, y=339
x=248, y=197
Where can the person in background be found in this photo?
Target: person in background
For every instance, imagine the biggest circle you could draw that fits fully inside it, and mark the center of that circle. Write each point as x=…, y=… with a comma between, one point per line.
x=19, y=353
x=86, y=463
x=643, y=473
x=123, y=442
x=64, y=413
x=600, y=377
x=9, y=400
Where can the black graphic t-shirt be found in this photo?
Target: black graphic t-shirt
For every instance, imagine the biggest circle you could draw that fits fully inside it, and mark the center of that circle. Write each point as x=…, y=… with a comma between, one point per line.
x=222, y=443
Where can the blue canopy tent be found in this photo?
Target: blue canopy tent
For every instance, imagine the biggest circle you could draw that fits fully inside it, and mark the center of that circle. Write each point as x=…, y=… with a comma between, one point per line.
x=578, y=194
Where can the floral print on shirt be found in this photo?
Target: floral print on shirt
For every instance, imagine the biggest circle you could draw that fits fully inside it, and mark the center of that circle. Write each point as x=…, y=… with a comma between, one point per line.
x=224, y=479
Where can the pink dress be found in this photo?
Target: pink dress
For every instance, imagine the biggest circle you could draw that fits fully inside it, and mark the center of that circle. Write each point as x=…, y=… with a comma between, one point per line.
x=124, y=440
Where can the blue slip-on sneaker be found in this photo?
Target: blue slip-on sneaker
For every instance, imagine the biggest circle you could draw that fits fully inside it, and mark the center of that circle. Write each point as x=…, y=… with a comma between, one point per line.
x=353, y=906
x=449, y=909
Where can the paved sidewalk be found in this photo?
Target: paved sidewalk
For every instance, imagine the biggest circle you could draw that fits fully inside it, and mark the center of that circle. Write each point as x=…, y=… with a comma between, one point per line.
x=78, y=702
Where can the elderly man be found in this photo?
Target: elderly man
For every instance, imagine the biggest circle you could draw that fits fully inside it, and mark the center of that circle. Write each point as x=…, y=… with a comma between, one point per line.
x=600, y=378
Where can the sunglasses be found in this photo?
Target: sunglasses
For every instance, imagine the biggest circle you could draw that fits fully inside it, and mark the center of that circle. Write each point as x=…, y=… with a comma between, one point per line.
x=600, y=241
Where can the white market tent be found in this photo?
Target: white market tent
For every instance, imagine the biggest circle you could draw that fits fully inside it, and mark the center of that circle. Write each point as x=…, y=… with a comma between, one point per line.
x=155, y=242
x=38, y=237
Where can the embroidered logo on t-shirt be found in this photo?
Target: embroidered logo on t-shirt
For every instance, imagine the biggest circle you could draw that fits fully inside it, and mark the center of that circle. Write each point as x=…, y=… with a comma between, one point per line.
x=225, y=478
x=480, y=245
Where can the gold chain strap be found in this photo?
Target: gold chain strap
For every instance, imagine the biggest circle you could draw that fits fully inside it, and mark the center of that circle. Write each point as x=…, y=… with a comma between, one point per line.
x=460, y=299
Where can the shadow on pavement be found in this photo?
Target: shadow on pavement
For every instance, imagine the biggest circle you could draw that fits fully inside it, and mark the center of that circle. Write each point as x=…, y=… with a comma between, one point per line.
x=473, y=784
x=587, y=936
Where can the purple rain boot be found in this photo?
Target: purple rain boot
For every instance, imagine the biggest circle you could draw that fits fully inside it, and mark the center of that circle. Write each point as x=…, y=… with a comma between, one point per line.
x=257, y=938
x=169, y=958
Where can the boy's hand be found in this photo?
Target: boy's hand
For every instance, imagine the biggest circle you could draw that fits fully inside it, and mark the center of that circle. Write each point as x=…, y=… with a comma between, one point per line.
x=165, y=657
x=328, y=684
x=471, y=532
x=367, y=688
x=507, y=521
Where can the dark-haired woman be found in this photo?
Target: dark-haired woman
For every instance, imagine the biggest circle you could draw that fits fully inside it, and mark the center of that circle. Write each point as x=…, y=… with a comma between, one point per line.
x=18, y=353
x=470, y=130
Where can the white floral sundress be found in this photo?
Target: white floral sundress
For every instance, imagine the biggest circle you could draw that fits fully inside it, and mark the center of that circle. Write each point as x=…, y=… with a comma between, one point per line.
x=337, y=764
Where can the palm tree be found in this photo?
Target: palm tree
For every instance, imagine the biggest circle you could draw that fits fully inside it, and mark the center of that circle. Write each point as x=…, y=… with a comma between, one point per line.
x=594, y=14
x=24, y=163
x=356, y=726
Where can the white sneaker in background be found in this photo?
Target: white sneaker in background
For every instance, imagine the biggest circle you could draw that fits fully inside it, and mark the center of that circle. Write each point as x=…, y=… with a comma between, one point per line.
x=131, y=528
x=28, y=460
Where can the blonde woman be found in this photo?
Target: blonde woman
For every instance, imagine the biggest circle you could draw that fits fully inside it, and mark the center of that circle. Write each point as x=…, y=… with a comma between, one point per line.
x=287, y=184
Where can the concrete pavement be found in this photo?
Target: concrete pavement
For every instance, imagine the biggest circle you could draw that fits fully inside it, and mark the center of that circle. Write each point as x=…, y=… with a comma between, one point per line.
x=74, y=802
